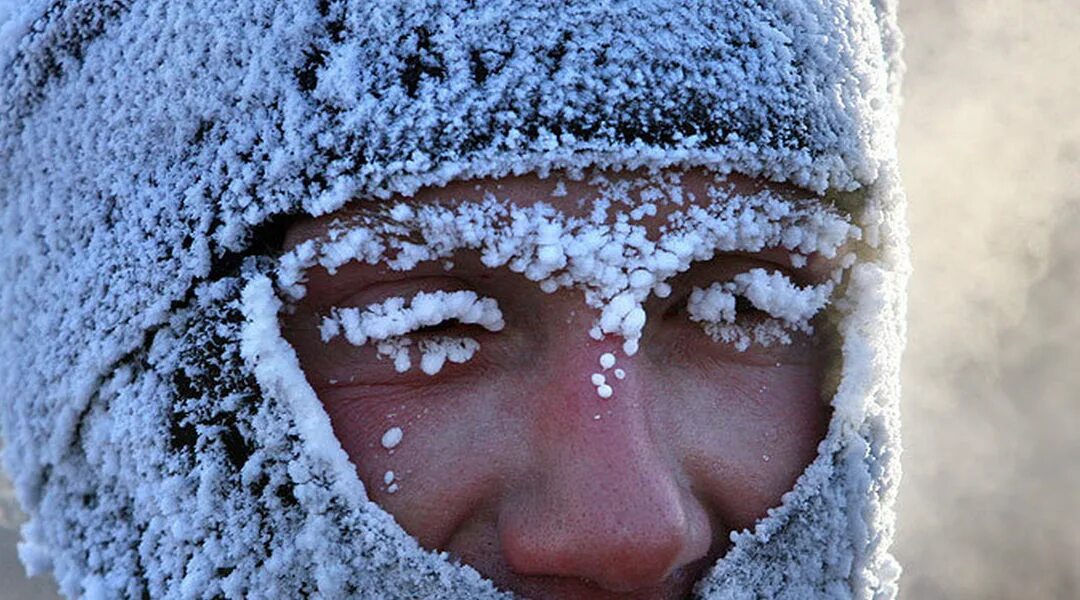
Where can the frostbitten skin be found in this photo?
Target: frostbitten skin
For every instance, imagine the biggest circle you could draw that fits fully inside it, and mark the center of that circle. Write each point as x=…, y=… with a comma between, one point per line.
x=513, y=462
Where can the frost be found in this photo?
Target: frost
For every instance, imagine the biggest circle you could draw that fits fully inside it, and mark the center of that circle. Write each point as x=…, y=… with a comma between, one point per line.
x=386, y=324
x=436, y=351
x=160, y=433
x=777, y=295
x=790, y=307
x=615, y=261
x=607, y=360
x=392, y=437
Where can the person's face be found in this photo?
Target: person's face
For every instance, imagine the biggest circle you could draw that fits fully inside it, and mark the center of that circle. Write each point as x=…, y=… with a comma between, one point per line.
x=514, y=464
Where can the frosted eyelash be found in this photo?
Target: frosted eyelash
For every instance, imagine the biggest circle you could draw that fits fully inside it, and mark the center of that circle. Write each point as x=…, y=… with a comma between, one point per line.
x=386, y=325
x=790, y=306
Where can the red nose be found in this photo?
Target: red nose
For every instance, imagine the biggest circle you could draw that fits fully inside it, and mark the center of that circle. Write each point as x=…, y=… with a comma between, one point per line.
x=602, y=501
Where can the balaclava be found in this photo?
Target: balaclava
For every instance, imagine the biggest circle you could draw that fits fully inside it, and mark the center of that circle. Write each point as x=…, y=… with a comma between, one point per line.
x=156, y=425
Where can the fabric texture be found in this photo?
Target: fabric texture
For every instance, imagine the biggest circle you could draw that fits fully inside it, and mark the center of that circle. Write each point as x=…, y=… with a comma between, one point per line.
x=157, y=427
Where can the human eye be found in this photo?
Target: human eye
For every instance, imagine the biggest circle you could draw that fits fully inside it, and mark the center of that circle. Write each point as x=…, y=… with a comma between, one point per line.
x=422, y=332
x=748, y=311
x=758, y=307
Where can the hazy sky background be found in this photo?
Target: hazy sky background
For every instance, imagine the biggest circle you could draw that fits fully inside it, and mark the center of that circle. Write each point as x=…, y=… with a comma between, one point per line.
x=990, y=144
x=990, y=148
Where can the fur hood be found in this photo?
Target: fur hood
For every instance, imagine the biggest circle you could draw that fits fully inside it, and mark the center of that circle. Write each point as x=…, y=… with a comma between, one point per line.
x=157, y=427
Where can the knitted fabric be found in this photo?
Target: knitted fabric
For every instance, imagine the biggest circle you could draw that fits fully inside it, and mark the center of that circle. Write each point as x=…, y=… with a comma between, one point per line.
x=156, y=425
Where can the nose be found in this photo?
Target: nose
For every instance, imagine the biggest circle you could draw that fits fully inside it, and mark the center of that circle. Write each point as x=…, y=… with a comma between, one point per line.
x=602, y=502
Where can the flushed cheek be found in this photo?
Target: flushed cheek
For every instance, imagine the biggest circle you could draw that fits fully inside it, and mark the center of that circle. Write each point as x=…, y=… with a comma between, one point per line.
x=431, y=458
x=746, y=439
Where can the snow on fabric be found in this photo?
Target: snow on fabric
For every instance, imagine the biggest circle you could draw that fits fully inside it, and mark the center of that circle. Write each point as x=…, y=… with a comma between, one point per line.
x=159, y=430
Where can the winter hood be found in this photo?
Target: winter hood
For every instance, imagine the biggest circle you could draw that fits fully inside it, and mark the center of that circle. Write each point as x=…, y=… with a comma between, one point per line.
x=156, y=425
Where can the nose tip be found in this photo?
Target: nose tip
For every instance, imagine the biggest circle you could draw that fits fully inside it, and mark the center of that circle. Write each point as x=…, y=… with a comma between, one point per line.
x=619, y=553
x=625, y=528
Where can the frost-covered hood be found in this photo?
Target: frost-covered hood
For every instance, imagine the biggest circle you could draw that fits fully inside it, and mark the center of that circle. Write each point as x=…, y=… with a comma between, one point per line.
x=151, y=150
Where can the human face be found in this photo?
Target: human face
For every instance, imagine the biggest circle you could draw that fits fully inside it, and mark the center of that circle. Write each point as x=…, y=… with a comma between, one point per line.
x=516, y=464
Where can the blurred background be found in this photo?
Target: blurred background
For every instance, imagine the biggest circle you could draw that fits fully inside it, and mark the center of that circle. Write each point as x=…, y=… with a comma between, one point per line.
x=990, y=148
x=990, y=144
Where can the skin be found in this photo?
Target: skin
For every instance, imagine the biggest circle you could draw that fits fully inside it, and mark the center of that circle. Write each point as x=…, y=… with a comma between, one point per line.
x=513, y=464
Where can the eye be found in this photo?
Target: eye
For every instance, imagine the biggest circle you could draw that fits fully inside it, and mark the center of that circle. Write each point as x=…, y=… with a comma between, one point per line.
x=757, y=308
x=744, y=309
x=425, y=331
x=448, y=327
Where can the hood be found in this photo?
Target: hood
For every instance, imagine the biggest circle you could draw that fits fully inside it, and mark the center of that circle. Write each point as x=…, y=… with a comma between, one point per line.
x=157, y=426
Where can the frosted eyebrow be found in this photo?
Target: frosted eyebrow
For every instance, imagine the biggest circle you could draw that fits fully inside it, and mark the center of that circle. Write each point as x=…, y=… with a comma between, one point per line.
x=791, y=307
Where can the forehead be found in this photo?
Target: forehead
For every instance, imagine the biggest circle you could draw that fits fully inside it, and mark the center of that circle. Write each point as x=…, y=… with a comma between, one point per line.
x=572, y=196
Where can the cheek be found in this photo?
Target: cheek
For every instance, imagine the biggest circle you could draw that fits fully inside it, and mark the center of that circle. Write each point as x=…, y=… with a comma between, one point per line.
x=746, y=434
x=449, y=464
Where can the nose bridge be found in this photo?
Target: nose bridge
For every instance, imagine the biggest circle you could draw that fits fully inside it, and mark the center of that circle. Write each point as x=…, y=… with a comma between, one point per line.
x=602, y=502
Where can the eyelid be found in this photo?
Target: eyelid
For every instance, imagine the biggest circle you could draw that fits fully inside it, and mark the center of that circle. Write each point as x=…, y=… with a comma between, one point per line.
x=375, y=292
x=398, y=316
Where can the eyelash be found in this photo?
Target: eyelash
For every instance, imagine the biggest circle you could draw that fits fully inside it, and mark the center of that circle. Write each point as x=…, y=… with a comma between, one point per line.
x=396, y=326
x=443, y=326
x=743, y=306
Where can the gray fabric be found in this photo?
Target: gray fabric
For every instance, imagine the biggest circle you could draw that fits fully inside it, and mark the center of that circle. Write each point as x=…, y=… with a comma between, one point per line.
x=149, y=150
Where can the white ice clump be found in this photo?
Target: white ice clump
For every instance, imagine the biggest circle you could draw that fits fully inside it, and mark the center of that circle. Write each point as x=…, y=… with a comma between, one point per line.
x=775, y=293
x=607, y=360
x=599, y=381
x=790, y=306
x=394, y=317
x=392, y=437
x=435, y=352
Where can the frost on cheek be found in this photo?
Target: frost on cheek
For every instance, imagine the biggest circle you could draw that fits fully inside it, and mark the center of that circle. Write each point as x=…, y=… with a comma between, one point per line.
x=789, y=307
x=386, y=325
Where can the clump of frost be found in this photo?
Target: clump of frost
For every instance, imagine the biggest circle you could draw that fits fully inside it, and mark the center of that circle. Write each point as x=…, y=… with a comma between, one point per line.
x=395, y=317
x=776, y=294
x=790, y=307
x=607, y=360
x=436, y=351
x=599, y=381
x=392, y=437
